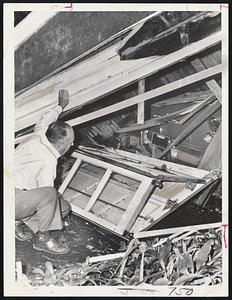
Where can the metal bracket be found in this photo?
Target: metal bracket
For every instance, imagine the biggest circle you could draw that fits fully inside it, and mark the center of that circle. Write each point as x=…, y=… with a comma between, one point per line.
x=159, y=182
x=171, y=204
x=214, y=175
x=190, y=185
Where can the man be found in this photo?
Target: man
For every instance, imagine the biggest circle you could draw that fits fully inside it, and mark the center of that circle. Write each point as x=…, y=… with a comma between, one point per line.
x=36, y=200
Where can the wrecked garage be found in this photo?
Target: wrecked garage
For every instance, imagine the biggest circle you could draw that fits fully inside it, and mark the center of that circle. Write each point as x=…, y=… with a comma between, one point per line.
x=139, y=166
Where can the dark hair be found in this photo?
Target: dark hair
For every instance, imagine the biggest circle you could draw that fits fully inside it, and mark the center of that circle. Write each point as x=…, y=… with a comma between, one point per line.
x=57, y=131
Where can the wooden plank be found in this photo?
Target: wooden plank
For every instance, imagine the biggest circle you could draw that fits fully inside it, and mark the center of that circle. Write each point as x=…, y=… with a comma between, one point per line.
x=158, y=232
x=189, y=97
x=206, y=194
x=197, y=109
x=182, y=236
x=106, y=257
x=187, y=81
x=96, y=220
x=136, y=205
x=212, y=158
x=173, y=167
x=182, y=198
x=70, y=175
x=152, y=66
x=141, y=105
x=155, y=38
x=212, y=84
x=105, y=165
x=98, y=190
x=109, y=205
x=193, y=126
x=98, y=46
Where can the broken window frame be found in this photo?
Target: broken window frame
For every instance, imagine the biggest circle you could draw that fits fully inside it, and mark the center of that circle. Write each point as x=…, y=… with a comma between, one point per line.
x=136, y=203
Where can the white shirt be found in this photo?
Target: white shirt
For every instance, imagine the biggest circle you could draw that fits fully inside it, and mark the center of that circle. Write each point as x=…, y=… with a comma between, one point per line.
x=35, y=157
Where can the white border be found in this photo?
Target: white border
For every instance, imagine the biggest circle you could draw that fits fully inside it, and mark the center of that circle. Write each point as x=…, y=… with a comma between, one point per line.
x=10, y=287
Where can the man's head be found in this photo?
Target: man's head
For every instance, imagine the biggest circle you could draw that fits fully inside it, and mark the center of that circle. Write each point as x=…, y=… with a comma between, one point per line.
x=61, y=136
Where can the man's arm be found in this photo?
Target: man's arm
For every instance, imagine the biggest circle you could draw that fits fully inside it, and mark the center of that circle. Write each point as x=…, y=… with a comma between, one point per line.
x=52, y=115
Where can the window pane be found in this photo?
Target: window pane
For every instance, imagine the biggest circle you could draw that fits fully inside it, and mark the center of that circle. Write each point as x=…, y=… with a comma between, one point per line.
x=115, y=198
x=83, y=184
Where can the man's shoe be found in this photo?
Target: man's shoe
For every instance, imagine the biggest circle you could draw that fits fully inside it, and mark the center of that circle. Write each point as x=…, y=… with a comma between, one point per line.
x=51, y=246
x=20, y=234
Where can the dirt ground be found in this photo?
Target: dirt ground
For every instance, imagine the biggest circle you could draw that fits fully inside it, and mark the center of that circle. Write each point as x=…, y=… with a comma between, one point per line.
x=86, y=239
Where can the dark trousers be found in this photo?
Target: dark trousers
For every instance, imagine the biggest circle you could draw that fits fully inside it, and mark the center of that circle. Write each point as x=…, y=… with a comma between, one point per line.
x=40, y=209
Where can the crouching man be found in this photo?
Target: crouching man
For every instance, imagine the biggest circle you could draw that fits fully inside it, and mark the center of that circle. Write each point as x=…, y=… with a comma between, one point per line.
x=37, y=203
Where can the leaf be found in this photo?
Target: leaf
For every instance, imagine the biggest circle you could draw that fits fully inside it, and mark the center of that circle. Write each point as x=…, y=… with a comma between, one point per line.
x=155, y=276
x=115, y=281
x=182, y=265
x=78, y=281
x=49, y=271
x=74, y=270
x=161, y=281
x=198, y=281
x=90, y=270
x=202, y=255
x=188, y=260
x=170, y=265
x=185, y=278
x=165, y=250
x=38, y=271
x=61, y=273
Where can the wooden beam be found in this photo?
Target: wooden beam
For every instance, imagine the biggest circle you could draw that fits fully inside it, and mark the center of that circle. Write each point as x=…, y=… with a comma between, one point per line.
x=70, y=175
x=170, y=166
x=212, y=84
x=96, y=220
x=189, y=97
x=182, y=197
x=178, y=84
x=212, y=158
x=162, y=232
x=92, y=50
x=136, y=204
x=141, y=105
x=125, y=48
x=106, y=257
x=98, y=190
x=106, y=165
x=109, y=85
x=193, y=126
x=197, y=109
x=206, y=194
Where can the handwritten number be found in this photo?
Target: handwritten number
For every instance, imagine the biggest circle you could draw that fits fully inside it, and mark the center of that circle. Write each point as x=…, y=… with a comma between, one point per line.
x=185, y=291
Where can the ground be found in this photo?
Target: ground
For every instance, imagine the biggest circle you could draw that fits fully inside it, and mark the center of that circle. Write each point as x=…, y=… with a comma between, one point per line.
x=86, y=239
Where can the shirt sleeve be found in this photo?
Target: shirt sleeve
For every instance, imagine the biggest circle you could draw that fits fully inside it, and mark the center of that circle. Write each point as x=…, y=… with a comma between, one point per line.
x=47, y=118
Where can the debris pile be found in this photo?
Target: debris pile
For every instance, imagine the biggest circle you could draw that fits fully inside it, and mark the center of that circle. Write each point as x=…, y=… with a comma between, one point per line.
x=195, y=259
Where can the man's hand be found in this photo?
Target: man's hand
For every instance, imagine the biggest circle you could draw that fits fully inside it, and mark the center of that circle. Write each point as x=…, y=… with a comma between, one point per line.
x=63, y=98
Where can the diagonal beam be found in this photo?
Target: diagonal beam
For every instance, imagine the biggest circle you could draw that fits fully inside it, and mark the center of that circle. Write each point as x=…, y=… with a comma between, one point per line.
x=104, y=87
x=193, y=126
x=175, y=85
x=212, y=84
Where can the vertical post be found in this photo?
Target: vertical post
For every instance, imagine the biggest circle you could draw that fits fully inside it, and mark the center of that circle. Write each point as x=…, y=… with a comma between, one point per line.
x=141, y=105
